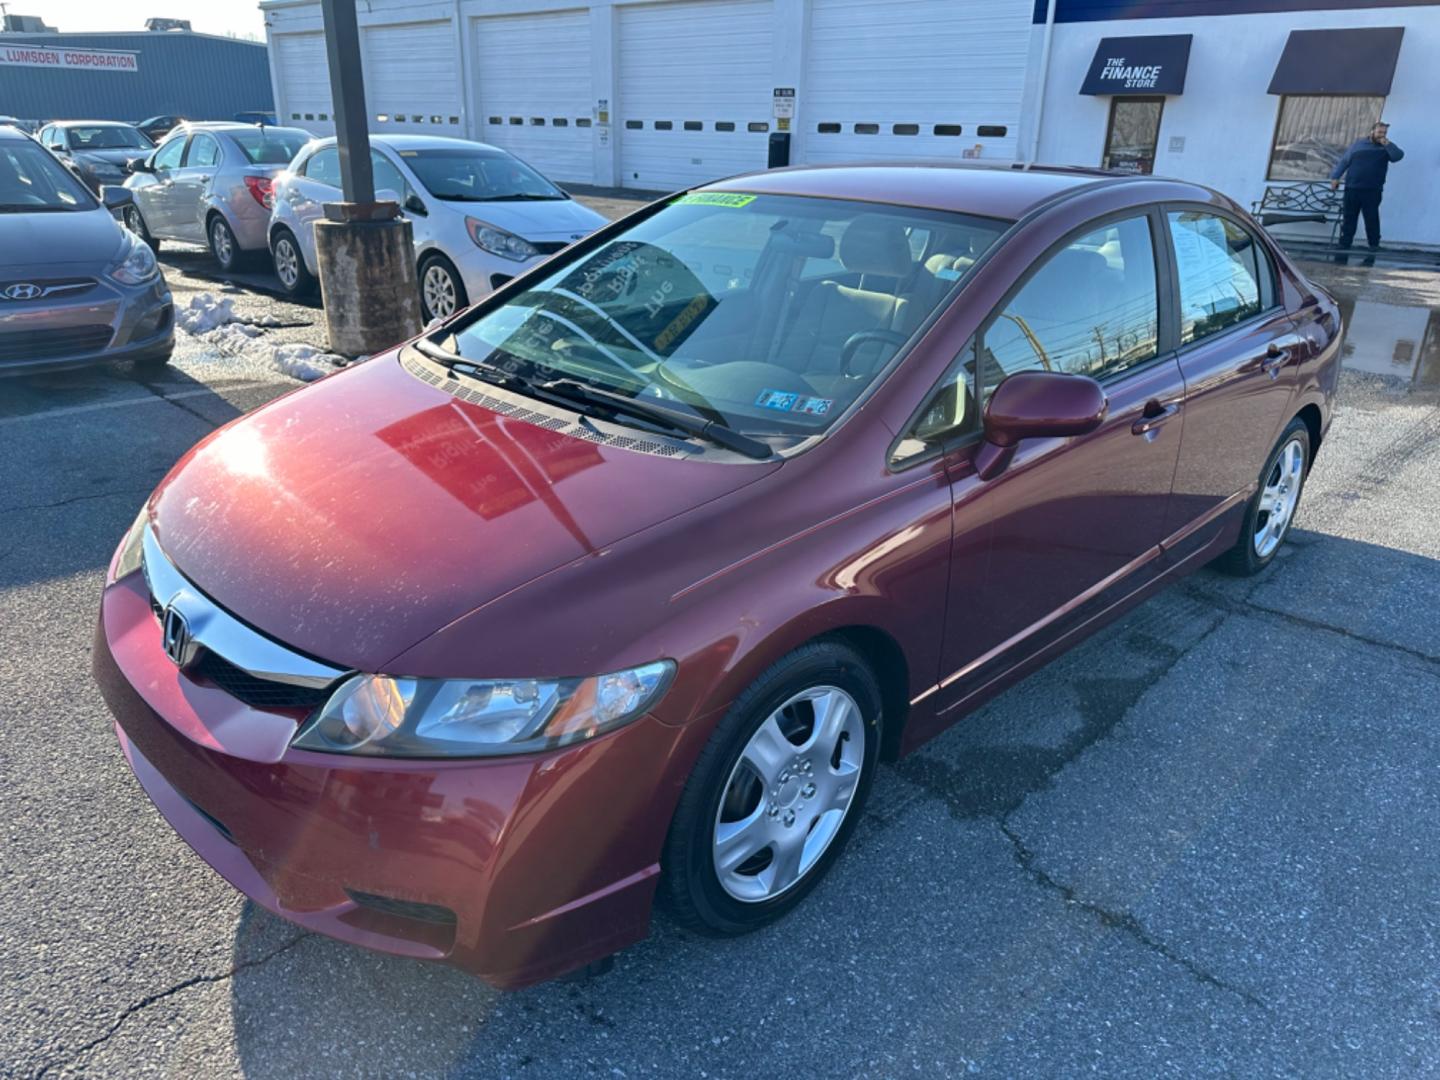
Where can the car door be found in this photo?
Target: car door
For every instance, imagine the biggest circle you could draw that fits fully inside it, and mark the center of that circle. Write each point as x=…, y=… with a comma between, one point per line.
x=1074, y=524
x=190, y=184
x=1239, y=354
x=316, y=182
x=389, y=177
x=152, y=190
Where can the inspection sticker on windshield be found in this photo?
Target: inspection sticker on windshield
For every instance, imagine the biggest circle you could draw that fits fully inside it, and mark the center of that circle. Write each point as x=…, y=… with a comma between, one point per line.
x=713, y=198
x=782, y=401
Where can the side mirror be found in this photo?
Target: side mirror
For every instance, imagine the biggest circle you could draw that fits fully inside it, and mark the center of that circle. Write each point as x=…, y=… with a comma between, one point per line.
x=415, y=205
x=114, y=197
x=1037, y=405
x=140, y=165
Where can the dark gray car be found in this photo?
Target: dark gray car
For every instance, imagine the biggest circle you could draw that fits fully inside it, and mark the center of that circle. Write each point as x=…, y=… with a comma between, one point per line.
x=97, y=151
x=75, y=287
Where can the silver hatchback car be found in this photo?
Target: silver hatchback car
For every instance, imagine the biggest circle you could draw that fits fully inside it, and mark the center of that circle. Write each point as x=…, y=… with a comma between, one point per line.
x=212, y=184
x=75, y=288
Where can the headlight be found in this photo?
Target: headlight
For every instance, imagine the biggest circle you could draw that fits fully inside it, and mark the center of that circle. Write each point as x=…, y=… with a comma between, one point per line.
x=499, y=242
x=397, y=717
x=138, y=266
x=127, y=555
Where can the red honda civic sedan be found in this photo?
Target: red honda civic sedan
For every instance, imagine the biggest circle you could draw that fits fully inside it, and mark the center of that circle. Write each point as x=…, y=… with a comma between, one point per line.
x=623, y=581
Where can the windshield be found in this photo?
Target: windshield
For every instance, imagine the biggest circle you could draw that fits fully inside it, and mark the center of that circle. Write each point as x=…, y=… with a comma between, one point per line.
x=478, y=175
x=32, y=180
x=271, y=146
x=107, y=138
x=772, y=312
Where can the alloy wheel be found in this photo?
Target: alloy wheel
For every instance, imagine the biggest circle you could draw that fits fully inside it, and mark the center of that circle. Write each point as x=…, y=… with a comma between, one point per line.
x=438, y=290
x=287, y=262
x=134, y=222
x=788, y=794
x=1279, y=498
x=221, y=242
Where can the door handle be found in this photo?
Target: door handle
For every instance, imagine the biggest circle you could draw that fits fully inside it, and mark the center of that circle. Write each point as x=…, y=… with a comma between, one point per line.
x=1278, y=352
x=1155, y=415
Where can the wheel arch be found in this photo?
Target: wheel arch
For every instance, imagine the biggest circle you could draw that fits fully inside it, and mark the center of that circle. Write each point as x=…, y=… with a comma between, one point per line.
x=1315, y=424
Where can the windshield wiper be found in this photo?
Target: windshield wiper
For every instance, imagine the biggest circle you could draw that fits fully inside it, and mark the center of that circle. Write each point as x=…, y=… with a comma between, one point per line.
x=31, y=208
x=522, y=196
x=570, y=392
x=712, y=430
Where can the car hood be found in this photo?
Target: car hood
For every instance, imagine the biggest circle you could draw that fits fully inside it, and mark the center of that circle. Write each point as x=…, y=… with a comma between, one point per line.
x=356, y=517
x=37, y=241
x=546, y=220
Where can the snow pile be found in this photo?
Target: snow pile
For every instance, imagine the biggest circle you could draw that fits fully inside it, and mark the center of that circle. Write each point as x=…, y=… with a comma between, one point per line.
x=212, y=320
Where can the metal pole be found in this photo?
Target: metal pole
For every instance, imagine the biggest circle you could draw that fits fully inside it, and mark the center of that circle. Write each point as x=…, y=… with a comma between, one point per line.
x=347, y=90
x=1044, y=83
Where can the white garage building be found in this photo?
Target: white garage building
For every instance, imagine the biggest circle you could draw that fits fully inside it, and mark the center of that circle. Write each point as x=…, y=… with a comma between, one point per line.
x=659, y=94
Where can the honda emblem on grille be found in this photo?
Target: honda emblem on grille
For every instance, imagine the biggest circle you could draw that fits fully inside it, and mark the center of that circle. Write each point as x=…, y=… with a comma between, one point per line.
x=180, y=647
x=23, y=290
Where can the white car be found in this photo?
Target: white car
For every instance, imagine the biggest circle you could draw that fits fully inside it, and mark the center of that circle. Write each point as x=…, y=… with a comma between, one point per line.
x=480, y=216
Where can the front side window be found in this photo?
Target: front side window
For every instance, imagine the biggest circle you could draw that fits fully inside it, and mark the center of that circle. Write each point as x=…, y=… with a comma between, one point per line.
x=707, y=306
x=1221, y=270
x=1090, y=309
x=33, y=181
x=168, y=156
x=1314, y=132
x=478, y=176
x=204, y=151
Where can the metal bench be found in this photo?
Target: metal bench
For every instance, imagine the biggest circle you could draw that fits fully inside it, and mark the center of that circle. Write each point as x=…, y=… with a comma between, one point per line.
x=1287, y=204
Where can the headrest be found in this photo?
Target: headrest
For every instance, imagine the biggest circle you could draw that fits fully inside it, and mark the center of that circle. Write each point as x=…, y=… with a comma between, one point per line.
x=872, y=244
x=948, y=267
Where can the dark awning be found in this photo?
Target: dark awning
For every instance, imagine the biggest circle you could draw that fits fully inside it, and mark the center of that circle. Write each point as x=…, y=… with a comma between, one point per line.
x=1139, y=65
x=1360, y=61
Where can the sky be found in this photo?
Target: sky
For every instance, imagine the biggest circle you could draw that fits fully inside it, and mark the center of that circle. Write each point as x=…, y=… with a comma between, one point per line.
x=239, y=17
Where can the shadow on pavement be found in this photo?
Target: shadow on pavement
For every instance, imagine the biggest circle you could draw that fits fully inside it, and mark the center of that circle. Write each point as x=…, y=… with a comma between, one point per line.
x=1190, y=845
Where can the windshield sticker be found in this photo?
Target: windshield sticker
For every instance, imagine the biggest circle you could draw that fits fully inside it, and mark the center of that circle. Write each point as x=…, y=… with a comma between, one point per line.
x=777, y=399
x=713, y=198
x=813, y=406
x=948, y=273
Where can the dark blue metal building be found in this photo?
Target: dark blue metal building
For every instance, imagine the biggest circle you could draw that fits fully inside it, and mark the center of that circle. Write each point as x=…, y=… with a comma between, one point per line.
x=131, y=76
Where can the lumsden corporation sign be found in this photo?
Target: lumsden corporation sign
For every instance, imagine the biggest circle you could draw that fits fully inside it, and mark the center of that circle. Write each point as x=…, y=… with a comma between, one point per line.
x=83, y=59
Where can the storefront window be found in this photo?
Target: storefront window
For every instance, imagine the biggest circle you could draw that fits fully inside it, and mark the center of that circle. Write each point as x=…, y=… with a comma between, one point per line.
x=1134, y=132
x=1314, y=131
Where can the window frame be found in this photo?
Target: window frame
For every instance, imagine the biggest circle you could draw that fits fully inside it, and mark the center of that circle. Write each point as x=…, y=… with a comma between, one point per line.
x=1167, y=304
x=1270, y=177
x=1271, y=294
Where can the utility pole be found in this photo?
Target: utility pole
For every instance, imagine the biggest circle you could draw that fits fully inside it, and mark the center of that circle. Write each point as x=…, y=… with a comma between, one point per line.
x=364, y=248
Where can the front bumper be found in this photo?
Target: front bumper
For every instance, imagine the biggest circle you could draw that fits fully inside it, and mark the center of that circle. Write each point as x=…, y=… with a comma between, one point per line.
x=101, y=323
x=514, y=869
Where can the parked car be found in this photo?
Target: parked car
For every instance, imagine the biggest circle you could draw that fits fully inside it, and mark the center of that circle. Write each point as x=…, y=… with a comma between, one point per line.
x=257, y=116
x=480, y=216
x=97, y=151
x=75, y=288
x=157, y=127
x=624, y=580
x=211, y=184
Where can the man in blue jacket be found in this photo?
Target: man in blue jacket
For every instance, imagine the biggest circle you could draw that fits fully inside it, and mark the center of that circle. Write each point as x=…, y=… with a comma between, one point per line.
x=1363, y=168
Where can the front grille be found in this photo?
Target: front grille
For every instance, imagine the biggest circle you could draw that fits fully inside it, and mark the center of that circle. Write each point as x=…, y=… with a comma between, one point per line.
x=550, y=247
x=256, y=692
x=24, y=345
x=66, y=287
x=406, y=909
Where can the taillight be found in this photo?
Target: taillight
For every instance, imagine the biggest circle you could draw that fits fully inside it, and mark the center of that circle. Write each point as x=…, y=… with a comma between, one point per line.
x=263, y=190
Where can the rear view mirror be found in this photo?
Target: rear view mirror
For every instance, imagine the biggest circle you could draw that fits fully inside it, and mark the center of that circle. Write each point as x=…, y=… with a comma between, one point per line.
x=1037, y=405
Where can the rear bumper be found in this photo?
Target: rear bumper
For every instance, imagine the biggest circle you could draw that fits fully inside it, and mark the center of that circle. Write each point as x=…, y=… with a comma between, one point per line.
x=514, y=869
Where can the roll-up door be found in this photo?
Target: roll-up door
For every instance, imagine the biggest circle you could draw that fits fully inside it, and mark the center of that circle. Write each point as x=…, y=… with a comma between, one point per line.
x=412, y=80
x=304, y=78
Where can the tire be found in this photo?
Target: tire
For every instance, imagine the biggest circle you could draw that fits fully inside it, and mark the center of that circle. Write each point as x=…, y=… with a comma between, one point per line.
x=295, y=278
x=440, y=286
x=223, y=245
x=135, y=222
x=155, y=362
x=1271, y=512
x=728, y=815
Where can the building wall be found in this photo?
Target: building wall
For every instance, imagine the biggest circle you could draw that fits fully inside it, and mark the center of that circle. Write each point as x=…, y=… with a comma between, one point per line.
x=1225, y=116
x=194, y=75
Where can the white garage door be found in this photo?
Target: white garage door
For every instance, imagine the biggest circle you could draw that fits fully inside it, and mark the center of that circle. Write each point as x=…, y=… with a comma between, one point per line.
x=694, y=91
x=913, y=79
x=412, y=80
x=533, y=79
x=304, y=78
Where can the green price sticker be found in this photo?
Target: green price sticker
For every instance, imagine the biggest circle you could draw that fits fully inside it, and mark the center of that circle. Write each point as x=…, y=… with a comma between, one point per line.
x=713, y=198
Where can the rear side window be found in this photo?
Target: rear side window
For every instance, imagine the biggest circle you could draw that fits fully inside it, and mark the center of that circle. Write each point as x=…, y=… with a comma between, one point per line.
x=1090, y=309
x=1223, y=273
x=204, y=150
x=387, y=176
x=324, y=167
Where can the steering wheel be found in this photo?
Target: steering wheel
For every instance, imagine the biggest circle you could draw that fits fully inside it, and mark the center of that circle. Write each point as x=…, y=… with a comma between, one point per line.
x=862, y=337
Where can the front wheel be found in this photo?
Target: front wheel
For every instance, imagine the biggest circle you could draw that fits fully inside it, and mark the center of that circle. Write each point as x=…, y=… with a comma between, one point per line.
x=775, y=793
x=442, y=293
x=1272, y=509
x=136, y=224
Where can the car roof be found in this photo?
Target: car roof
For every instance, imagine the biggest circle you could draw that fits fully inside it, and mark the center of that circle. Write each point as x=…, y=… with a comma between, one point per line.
x=1006, y=191
x=9, y=131
x=420, y=142
x=87, y=123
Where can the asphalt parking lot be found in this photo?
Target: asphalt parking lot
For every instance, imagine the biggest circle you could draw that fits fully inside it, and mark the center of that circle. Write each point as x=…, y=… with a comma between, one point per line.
x=1200, y=844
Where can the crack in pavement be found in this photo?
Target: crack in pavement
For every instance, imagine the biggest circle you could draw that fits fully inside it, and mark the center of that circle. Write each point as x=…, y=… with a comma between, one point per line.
x=993, y=783
x=182, y=407
x=145, y=1002
x=88, y=497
